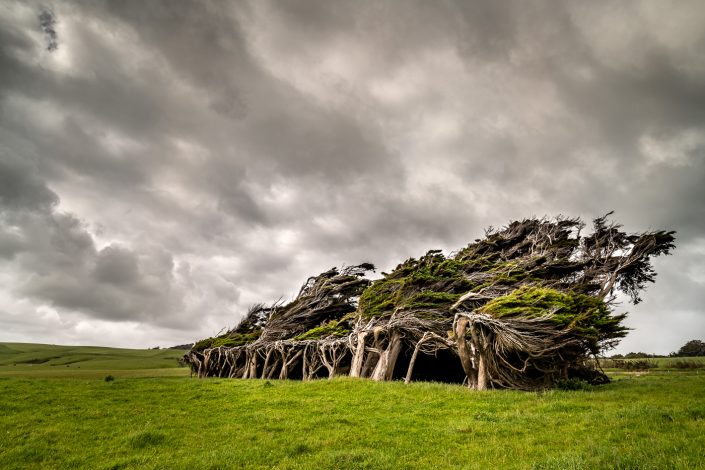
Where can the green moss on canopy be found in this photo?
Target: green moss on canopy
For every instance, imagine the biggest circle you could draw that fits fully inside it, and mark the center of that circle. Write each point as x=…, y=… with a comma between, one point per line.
x=430, y=299
x=586, y=315
x=379, y=299
x=337, y=328
x=234, y=339
x=532, y=301
x=432, y=282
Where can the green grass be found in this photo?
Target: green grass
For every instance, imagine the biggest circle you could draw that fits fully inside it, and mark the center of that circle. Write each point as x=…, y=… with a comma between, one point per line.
x=52, y=416
x=653, y=421
x=667, y=362
x=662, y=363
x=47, y=360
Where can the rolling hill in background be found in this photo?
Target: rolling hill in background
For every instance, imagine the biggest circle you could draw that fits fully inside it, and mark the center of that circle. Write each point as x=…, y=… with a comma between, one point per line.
x=47, y=360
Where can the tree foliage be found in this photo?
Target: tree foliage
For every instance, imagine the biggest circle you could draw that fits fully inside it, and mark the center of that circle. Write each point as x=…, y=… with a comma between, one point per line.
x=692, y=348
x=522, y=307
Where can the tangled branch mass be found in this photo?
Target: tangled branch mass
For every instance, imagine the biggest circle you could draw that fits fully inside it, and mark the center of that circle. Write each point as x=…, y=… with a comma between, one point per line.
x=527, y=305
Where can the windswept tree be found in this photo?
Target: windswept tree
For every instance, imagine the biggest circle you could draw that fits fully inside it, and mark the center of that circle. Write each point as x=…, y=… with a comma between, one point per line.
x=526, y=305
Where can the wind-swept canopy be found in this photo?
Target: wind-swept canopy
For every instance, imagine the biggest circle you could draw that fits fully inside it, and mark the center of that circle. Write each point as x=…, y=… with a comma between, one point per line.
x=523, y=307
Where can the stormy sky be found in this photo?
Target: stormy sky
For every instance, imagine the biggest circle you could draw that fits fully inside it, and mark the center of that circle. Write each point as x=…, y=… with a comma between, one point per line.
x=165, y=165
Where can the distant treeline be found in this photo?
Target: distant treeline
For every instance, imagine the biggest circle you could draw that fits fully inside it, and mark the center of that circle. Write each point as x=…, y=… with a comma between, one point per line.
x=636, y=355
x=180, y=346
x=693, y=348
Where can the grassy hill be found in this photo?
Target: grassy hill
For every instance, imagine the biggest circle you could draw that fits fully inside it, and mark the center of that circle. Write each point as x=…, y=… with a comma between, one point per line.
x=47, y=360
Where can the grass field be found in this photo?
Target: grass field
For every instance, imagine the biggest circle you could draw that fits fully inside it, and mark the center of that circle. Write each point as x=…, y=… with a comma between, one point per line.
x=654, y=420
x=667, y=362
x=45, y=360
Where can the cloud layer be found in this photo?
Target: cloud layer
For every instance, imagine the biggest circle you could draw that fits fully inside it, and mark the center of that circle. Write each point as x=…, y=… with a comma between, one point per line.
x=164, y=165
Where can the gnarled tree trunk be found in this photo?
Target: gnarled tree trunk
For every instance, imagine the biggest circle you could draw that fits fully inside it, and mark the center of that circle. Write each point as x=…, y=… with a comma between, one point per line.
x=388, y=359
x=359, y=356
x=465, y=351
x=412, y=362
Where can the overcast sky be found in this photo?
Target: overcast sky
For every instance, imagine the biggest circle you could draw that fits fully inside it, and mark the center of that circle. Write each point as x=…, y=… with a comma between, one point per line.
x=164, y=165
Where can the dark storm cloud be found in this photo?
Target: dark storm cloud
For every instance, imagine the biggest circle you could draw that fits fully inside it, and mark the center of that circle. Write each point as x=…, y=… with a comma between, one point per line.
x=170, y=163
x=56, y=260
x=20, y=188
x=47, y=22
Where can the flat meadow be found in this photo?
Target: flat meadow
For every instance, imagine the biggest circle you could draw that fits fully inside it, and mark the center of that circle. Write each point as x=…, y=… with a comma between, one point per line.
x=142, y=419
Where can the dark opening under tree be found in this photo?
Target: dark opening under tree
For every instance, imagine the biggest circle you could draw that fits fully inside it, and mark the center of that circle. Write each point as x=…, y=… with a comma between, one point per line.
x=527, y=305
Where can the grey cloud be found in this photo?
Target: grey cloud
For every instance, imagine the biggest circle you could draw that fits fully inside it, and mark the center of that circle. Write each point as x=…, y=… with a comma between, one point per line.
x=47, y=22
x=226, y=152
x=116, y=265
x=283, y=134
x=55, y=259
x=20, y=188
x=66, y=270
x=10, y=245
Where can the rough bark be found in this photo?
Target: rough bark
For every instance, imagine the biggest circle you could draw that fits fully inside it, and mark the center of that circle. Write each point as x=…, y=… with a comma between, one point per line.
x=266, y=362
x=359, y=356
x=465, y=352
x=412, y=362
x=388, y=359
x=479, y=348
x=371, y=360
